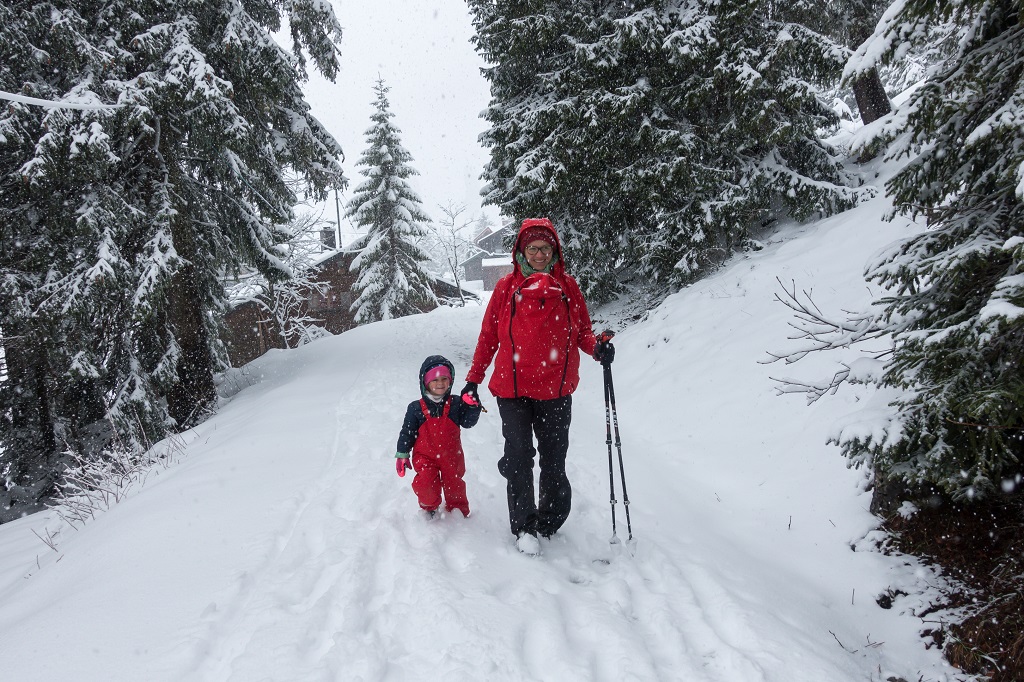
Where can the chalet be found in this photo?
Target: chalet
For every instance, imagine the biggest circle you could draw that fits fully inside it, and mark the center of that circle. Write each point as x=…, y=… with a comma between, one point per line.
x=250, y=332
x=494, y=269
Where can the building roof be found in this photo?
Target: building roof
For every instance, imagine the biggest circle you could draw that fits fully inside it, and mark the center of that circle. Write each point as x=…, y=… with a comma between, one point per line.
x=491, y=230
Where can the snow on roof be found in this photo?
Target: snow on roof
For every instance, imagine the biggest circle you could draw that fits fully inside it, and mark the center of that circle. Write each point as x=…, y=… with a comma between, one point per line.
x=496, y=262
x=491, y=229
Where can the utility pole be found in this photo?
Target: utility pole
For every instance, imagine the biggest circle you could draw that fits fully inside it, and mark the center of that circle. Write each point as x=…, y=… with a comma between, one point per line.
x=337, y=210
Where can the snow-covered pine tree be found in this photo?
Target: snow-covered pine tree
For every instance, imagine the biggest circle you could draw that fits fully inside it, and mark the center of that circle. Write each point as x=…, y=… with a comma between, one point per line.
x=392, y=280
x=228, y=121
x=55, y=212
x=957, y=289
x=577, y=132
x=749, y=81
x=115, y=224
x=656, y=133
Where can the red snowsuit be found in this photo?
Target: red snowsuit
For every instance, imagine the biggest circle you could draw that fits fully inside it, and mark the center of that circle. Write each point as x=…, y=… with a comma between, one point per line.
x=534, y=363
x=439, y=462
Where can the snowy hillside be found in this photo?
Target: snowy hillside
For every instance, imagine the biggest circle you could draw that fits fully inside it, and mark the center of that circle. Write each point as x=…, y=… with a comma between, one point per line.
x=281, y=546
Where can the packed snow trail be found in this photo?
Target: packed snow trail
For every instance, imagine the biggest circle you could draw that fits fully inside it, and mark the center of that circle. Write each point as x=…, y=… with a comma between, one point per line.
x=281, y=545
x=358, y=585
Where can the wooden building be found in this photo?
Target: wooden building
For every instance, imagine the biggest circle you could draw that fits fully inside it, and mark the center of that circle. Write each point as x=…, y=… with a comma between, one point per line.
x=494, y=260
x=250, y=332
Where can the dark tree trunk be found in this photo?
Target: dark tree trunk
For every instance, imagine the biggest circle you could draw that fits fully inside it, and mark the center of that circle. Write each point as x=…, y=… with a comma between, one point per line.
x=30, y=439
x=31, y=415
x=872, y=101
x=44, y=413
x=194, y=390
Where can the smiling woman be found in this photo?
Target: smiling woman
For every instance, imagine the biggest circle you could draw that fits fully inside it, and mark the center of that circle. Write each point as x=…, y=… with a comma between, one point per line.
x=534, y=328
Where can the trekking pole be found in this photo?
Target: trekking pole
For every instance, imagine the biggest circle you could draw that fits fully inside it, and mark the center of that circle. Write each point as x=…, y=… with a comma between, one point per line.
x=608, y=432
x=610, y=398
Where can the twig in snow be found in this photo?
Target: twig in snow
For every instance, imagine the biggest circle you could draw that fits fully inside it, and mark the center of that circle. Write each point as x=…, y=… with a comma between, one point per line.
x=48, y=540
x=841, y=644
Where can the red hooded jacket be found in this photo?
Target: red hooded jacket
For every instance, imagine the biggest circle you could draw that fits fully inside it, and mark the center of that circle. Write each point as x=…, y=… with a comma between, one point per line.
x=537, y=325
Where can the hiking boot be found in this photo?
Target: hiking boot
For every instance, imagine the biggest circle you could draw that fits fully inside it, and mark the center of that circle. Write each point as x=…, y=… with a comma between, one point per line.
x=528, y=544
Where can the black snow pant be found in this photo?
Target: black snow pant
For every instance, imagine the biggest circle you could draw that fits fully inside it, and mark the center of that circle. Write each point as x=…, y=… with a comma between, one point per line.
x=521, y=418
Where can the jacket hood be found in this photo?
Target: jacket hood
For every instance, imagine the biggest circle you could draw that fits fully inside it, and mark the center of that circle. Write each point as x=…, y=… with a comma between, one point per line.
x=434, y=361
x=532, y=223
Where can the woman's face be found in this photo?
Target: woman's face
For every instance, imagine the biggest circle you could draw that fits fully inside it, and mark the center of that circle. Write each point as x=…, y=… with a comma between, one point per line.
x=538, y=254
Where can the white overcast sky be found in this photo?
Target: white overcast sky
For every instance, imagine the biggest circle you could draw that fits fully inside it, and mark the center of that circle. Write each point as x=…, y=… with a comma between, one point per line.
x=422, y=51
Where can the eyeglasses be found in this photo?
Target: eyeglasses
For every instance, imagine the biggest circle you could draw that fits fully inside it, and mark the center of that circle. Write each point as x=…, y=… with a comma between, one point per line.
x=534, y=250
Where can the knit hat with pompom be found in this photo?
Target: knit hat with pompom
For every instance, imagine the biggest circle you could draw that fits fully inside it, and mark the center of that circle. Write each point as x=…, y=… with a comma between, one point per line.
x=538, y=233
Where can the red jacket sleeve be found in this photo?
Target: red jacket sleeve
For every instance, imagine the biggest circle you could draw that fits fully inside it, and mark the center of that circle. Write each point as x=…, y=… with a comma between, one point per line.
x=487, y=343
x=587, y=341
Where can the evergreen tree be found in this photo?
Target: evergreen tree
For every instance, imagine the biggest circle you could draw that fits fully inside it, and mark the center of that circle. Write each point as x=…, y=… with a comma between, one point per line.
x=957, y=289
x=54, y=211
x=392, y=280
x=656, y=134
x=116, y=223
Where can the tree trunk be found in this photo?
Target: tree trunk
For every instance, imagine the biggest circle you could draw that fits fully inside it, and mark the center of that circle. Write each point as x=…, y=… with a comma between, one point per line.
x=32, y=441
x=872, y=101
x=194, y=390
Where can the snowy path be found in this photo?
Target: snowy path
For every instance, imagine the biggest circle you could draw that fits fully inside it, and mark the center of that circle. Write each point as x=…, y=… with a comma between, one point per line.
x=283, y=547
x=357, y=585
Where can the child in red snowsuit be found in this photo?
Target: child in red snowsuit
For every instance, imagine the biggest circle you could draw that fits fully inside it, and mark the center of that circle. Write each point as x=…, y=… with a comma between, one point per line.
x=430, y=433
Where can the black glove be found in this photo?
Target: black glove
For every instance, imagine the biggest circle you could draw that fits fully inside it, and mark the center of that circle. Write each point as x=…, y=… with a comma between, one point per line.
x=604, y=352
x=470, y=389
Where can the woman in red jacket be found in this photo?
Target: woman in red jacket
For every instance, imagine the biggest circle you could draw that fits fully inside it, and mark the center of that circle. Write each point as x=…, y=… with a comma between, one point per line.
x=534, y=328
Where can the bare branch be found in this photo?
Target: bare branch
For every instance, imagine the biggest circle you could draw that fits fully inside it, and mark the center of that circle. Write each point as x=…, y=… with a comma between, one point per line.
x=818, y=331
x=841, y=644
x=49, y=540
x=449, y=244
x=813, y=390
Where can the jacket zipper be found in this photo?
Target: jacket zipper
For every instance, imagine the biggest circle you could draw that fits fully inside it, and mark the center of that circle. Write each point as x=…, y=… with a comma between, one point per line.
x=568, y=345
x=515, y=376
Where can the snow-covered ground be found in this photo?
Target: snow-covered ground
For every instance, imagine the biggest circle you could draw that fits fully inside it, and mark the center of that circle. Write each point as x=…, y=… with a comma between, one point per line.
x=280, y=545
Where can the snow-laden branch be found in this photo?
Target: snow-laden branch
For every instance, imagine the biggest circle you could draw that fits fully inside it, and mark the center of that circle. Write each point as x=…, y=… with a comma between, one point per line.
x=52, y=104
x=820, y=332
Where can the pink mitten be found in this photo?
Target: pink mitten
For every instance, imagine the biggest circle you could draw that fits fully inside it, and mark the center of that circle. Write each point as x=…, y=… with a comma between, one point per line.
x=401, y=464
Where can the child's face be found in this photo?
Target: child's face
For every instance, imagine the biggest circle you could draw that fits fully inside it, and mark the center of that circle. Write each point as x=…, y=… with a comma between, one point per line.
x=439, y=385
